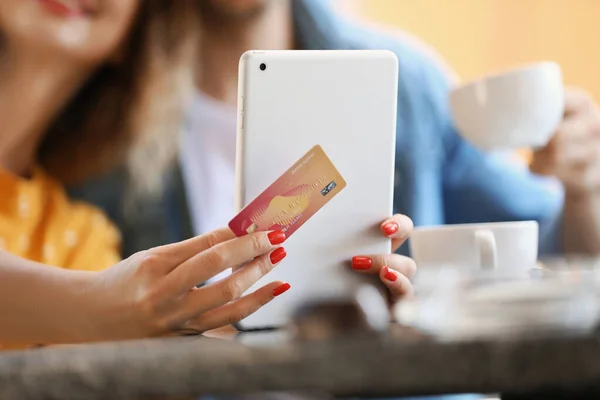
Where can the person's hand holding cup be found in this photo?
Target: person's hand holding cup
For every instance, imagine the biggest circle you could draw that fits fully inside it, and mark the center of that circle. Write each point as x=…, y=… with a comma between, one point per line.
x=529, y=107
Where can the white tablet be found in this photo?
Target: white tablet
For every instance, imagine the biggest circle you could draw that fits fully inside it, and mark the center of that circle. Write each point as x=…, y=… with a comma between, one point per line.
x=344, y=101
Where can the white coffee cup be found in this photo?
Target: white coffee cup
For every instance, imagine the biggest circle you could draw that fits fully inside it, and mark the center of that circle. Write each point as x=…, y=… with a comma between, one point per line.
x=510, y=247
x=515, y=109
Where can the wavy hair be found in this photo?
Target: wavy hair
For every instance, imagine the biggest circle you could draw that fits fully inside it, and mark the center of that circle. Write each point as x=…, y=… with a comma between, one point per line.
x=129, y=111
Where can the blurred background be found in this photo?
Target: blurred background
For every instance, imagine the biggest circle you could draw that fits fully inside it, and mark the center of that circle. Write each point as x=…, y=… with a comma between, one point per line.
x=478, y=37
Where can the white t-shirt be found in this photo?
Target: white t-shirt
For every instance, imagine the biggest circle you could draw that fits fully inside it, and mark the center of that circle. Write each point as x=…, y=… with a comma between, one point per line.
x=207, y=159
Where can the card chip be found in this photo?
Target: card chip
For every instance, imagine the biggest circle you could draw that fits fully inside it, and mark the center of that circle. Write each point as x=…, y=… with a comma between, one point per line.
x=330, y=186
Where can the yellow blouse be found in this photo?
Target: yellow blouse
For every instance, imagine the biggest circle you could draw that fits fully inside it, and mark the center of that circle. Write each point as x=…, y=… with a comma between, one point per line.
x=38, y=222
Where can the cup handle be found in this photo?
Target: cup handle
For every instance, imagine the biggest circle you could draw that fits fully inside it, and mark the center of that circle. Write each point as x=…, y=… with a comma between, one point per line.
x=486, y=247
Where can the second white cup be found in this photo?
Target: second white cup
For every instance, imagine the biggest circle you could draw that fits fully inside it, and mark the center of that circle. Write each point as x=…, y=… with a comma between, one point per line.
x=510, y=247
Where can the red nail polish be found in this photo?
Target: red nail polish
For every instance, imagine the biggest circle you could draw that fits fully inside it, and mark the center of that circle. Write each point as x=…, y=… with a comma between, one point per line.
x=281, y=289
x=277, y=255
x=390, y=228
x=361, y=262
x=276, y=237
x=389, y=274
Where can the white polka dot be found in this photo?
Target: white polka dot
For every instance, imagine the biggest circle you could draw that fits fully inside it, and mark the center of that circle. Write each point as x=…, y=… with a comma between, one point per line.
x=24, y=243
x=23, y=205
x=99, y=220
x=48, y=252
x=71, y=238
x=115, y=235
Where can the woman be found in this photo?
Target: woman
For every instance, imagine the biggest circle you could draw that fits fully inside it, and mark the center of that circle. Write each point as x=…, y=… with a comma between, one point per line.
x=79, y=79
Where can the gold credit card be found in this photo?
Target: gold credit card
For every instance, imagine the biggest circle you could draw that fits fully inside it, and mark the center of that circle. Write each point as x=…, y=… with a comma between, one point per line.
x=293, y=198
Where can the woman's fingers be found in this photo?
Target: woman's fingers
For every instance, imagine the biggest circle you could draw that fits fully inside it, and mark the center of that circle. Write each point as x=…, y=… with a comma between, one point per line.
x=398, y=284
x=228, y=289
x=220, y=257
x=182, y=251
x=235, y=311
x=398, y=228
x=372, y=264
x=394, y=271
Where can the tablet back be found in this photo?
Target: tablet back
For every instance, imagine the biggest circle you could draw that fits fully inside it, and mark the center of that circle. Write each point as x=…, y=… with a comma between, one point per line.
x=344, y=101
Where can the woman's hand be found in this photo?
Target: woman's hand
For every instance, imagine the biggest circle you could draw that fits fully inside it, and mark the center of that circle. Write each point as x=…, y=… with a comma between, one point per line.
x=394, y=270
x=154, y=292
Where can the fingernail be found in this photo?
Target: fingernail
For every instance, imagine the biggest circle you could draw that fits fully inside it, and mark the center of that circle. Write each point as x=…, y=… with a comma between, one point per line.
x=281, y=289
x=361, y=262
x=276, y=237
x=390, y=228
x=389, y=274
x=277, y=255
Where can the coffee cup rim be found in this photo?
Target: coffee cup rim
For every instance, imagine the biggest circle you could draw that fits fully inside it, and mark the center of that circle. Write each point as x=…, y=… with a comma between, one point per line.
x=528, y=67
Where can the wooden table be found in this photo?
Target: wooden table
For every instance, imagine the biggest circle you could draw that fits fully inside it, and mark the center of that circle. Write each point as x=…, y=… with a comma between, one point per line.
x=394, y=364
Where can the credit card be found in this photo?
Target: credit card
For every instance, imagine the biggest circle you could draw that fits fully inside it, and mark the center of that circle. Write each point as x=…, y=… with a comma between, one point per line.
x=293, y=198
